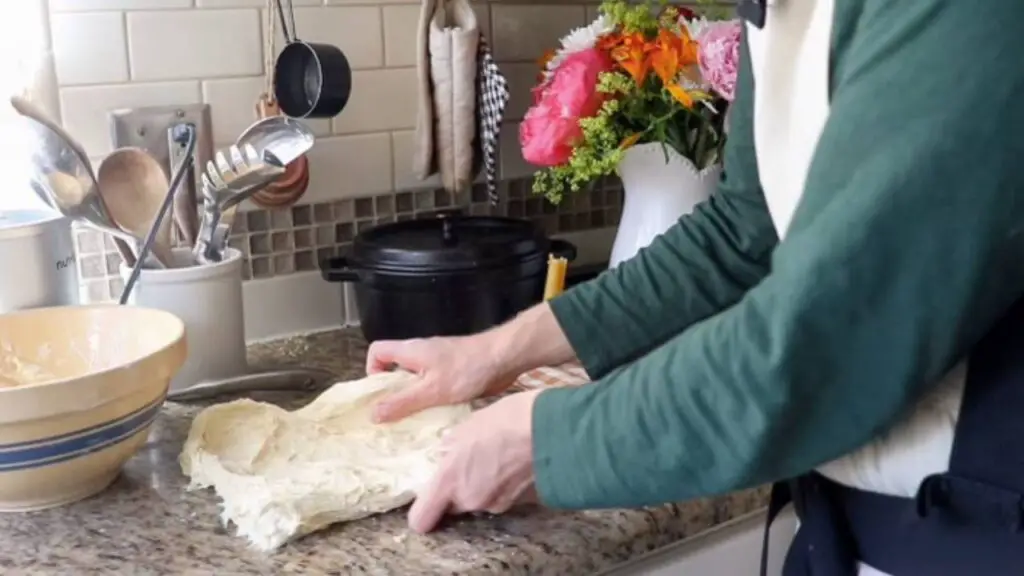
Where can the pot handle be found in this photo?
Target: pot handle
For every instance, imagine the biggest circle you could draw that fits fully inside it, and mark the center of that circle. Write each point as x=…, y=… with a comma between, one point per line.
x=337, y=270
x=563, y=249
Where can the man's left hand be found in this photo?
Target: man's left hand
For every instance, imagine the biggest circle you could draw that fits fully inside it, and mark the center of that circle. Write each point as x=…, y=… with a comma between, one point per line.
x=487, y=465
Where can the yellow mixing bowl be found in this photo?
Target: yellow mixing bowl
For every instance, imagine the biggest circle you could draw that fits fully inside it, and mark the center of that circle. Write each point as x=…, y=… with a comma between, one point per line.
x=79, y=388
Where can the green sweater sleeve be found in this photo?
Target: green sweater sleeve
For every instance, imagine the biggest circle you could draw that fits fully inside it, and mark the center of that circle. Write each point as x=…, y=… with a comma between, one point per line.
x=906, y=247
x=698, y=267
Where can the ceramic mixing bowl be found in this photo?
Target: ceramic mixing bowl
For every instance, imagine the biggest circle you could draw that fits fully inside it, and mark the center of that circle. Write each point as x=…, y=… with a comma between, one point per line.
x=79, y=388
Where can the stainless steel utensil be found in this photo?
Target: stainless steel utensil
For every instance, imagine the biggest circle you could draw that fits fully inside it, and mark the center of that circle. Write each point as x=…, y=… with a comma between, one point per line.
x=287, y=380
x=65, y=179
x=285, y=138
x=250, y=159
x=154, y=231
x=224, y=188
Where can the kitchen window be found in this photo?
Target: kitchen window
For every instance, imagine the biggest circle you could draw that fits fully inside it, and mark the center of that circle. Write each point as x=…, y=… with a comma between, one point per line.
x=26, y=68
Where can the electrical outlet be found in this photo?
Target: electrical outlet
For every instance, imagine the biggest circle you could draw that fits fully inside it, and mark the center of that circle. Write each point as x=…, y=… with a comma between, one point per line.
x=151, y=129
x=148, y=127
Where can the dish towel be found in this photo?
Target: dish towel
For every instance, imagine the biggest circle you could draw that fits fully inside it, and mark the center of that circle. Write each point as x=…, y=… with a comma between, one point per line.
x=492, y=97
x=570, y=374
x=452, y=43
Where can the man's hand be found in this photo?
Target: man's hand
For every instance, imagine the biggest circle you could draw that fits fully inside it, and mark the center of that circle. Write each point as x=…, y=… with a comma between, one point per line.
x=487, y=466
x=452, y=371
x=455, y=370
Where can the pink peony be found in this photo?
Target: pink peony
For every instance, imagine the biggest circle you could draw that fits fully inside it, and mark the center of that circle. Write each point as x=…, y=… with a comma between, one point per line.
x=719, y=55
x=551, y=127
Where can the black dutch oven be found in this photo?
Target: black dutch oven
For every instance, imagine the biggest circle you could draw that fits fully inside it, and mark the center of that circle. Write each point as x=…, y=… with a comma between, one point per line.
x=451, y=275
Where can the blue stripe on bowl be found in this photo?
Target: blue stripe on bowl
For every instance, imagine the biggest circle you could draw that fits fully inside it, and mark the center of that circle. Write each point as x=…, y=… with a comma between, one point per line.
x=68, y=446
x=94, y=427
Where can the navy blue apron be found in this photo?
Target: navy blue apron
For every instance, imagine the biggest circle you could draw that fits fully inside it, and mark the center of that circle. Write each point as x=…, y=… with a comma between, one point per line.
x=968, y=521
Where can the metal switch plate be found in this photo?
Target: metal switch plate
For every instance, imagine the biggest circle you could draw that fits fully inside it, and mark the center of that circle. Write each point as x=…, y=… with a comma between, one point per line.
x=147, y=128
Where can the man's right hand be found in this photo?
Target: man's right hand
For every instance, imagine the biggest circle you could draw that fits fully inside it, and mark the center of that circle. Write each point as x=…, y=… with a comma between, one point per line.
x=452, y=371
x=459, y=369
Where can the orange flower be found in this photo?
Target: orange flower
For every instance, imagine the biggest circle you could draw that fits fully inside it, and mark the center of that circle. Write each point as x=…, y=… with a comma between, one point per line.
x=631, y=55
x=609, y=41
x=542, y=62
x=545, y=58
x=673, y=56
x=681, y=95
x=630, y=140
x=666, y=56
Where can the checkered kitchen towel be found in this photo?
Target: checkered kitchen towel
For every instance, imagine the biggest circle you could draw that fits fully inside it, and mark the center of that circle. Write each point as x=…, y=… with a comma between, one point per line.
x=492, y=96
x=571, y=374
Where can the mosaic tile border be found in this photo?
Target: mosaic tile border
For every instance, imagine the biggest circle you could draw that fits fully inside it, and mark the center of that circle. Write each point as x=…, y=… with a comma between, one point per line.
x=287, y=241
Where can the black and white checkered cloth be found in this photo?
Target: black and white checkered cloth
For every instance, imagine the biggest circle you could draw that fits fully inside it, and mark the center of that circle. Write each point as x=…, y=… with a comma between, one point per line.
x=492, y=96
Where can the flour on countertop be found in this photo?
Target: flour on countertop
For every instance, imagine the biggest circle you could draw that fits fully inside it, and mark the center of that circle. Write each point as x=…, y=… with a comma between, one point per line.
x=284, y=474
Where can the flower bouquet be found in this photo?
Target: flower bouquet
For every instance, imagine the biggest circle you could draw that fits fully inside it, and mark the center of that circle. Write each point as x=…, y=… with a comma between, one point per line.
x=635, y=75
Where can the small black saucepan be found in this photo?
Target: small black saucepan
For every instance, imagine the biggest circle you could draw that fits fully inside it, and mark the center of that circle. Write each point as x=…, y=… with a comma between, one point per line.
x=452, y=275
x=311, y=80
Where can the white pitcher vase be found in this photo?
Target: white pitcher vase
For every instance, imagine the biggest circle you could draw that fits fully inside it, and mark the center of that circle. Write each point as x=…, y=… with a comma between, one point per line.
x=656, y=193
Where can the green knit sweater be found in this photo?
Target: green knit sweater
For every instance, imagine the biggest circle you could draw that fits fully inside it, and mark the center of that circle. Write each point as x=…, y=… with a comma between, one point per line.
x=725, y=359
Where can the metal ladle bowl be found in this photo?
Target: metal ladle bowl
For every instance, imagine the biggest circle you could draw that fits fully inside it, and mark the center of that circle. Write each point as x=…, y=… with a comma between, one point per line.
x=63, y=177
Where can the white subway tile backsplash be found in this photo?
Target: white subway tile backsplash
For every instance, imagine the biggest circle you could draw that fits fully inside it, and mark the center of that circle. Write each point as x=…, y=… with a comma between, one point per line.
x=357, y=30
x=232, y=105
x=381, y=100
x=251, y=3
x=194, y=44
x=400, y=34
x=89, y=47
x=349, y=167
x=401, y=24
x=350, y=2
x=522, y=77
x=524, y=31
x=86, y=108
x=85, y=5
x=483, y=18
x=512, y=163
x=403, y=146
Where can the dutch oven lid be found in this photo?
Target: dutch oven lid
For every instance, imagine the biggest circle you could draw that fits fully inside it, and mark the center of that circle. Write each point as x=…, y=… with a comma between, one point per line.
x=450, y=242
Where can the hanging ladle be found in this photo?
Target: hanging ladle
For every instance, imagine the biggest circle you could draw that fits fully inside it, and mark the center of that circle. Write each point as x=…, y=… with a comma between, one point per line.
x=311, y=80
x=65, y=180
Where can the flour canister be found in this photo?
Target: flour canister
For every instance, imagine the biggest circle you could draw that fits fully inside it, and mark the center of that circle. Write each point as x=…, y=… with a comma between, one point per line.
x=37, y=260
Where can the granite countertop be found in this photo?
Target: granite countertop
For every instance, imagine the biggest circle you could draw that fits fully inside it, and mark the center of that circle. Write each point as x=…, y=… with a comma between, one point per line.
x=146, y=523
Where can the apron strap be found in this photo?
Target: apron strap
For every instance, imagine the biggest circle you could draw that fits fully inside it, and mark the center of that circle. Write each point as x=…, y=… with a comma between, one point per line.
x=989, y=444
x=974, y=510
x=984, y=486
x=777, y=500
x=823, y=544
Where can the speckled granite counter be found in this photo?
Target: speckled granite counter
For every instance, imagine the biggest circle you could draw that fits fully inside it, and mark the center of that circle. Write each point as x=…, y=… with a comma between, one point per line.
x=146, y=523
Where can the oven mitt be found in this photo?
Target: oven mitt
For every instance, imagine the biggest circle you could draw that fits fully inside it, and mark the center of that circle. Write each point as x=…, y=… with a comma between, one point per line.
x=492, y=96
x=454, y=39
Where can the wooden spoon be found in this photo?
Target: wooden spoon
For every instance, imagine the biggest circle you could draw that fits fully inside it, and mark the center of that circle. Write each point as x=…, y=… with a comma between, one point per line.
x=134, y=185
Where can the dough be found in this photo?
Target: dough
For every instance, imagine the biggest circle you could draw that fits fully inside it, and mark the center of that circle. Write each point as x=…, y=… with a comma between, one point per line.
x=284, y=474
x=15, y=371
